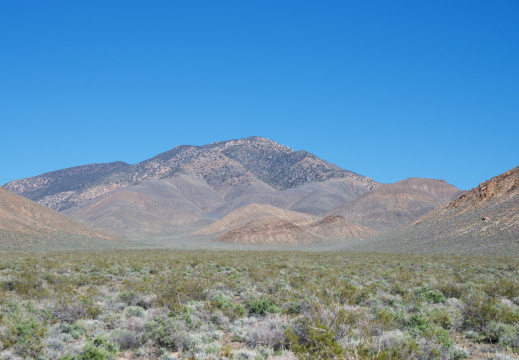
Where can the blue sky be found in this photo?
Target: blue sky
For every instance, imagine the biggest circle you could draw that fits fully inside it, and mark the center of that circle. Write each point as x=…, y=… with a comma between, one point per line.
x=388, y=89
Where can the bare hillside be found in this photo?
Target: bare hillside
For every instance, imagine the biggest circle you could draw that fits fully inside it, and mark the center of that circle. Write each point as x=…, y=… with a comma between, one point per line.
x=25, y=224
x=393, y=205
x=485, y=220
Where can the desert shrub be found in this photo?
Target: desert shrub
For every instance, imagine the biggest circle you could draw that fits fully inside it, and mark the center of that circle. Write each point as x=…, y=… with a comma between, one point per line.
x=222, y=302
x=98, y=349
x=370, y=306
x=506, y=334
x=348, y=293
x=417, y=322
x=502, y=287
x=384, y=320
x=246, y=354
x=238, y=312
x=269, y=332
x=458, y=353
x=441, y=317
x=124, y=339
x=313, y=340
x=75, y=330
x=144, y=303
x=228, y=308
x=69, y=311
x=450, y=289
x=480, y=310
x=432, y=296
x=262, y=307
x=170, y=334
x=24, y=334
x=134, y=311
x=392, y=344
x=127, y=297
x=135, y=324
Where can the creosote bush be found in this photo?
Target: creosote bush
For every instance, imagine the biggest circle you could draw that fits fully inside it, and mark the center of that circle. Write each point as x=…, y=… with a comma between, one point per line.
x=256, y=305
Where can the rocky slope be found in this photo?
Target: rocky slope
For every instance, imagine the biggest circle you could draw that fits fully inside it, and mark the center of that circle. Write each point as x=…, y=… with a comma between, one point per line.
x=253, y=164
x=393, y=205
x=484, y=221
x=25, y=224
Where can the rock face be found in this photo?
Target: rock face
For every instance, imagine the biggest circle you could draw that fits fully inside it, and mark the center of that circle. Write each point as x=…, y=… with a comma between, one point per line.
x=393, y=205
x=27, y=224
x=232, y=168
x=485, y=220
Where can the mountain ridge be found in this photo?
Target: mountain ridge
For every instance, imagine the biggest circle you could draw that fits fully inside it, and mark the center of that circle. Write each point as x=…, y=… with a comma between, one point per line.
x=274, y=164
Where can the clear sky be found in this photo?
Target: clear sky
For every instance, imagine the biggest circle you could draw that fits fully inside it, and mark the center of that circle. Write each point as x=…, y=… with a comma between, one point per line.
x=388, y=89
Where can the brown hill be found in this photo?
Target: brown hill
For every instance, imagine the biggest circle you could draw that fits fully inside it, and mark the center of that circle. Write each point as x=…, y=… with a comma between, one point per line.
x=269, y=230
x=268, y=225
x=243, y=215
x=337, y=227
x=393, y=205
x=484, y=220
x=25, y=224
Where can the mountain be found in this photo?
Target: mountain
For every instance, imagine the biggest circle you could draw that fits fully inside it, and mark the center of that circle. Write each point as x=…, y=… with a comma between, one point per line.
x=25, y=224
x=393, y=205
x=232, y=168
x=261, y=224
x=183, y=189
x=484, y=220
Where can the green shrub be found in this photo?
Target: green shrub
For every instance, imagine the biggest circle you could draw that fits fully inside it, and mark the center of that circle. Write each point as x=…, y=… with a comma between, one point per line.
x=313, y=341
x=432, y=296
x=417, y=322
x=98, y=349
x=127, y=297
x=134, y=311
x=458, y=353
x=262, y=307
x=505, y=334
x=75, y=330
x=221, y=302
x=24, y=333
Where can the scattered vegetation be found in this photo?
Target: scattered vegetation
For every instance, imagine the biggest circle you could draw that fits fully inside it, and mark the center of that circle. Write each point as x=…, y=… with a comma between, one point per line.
x=256, y=305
